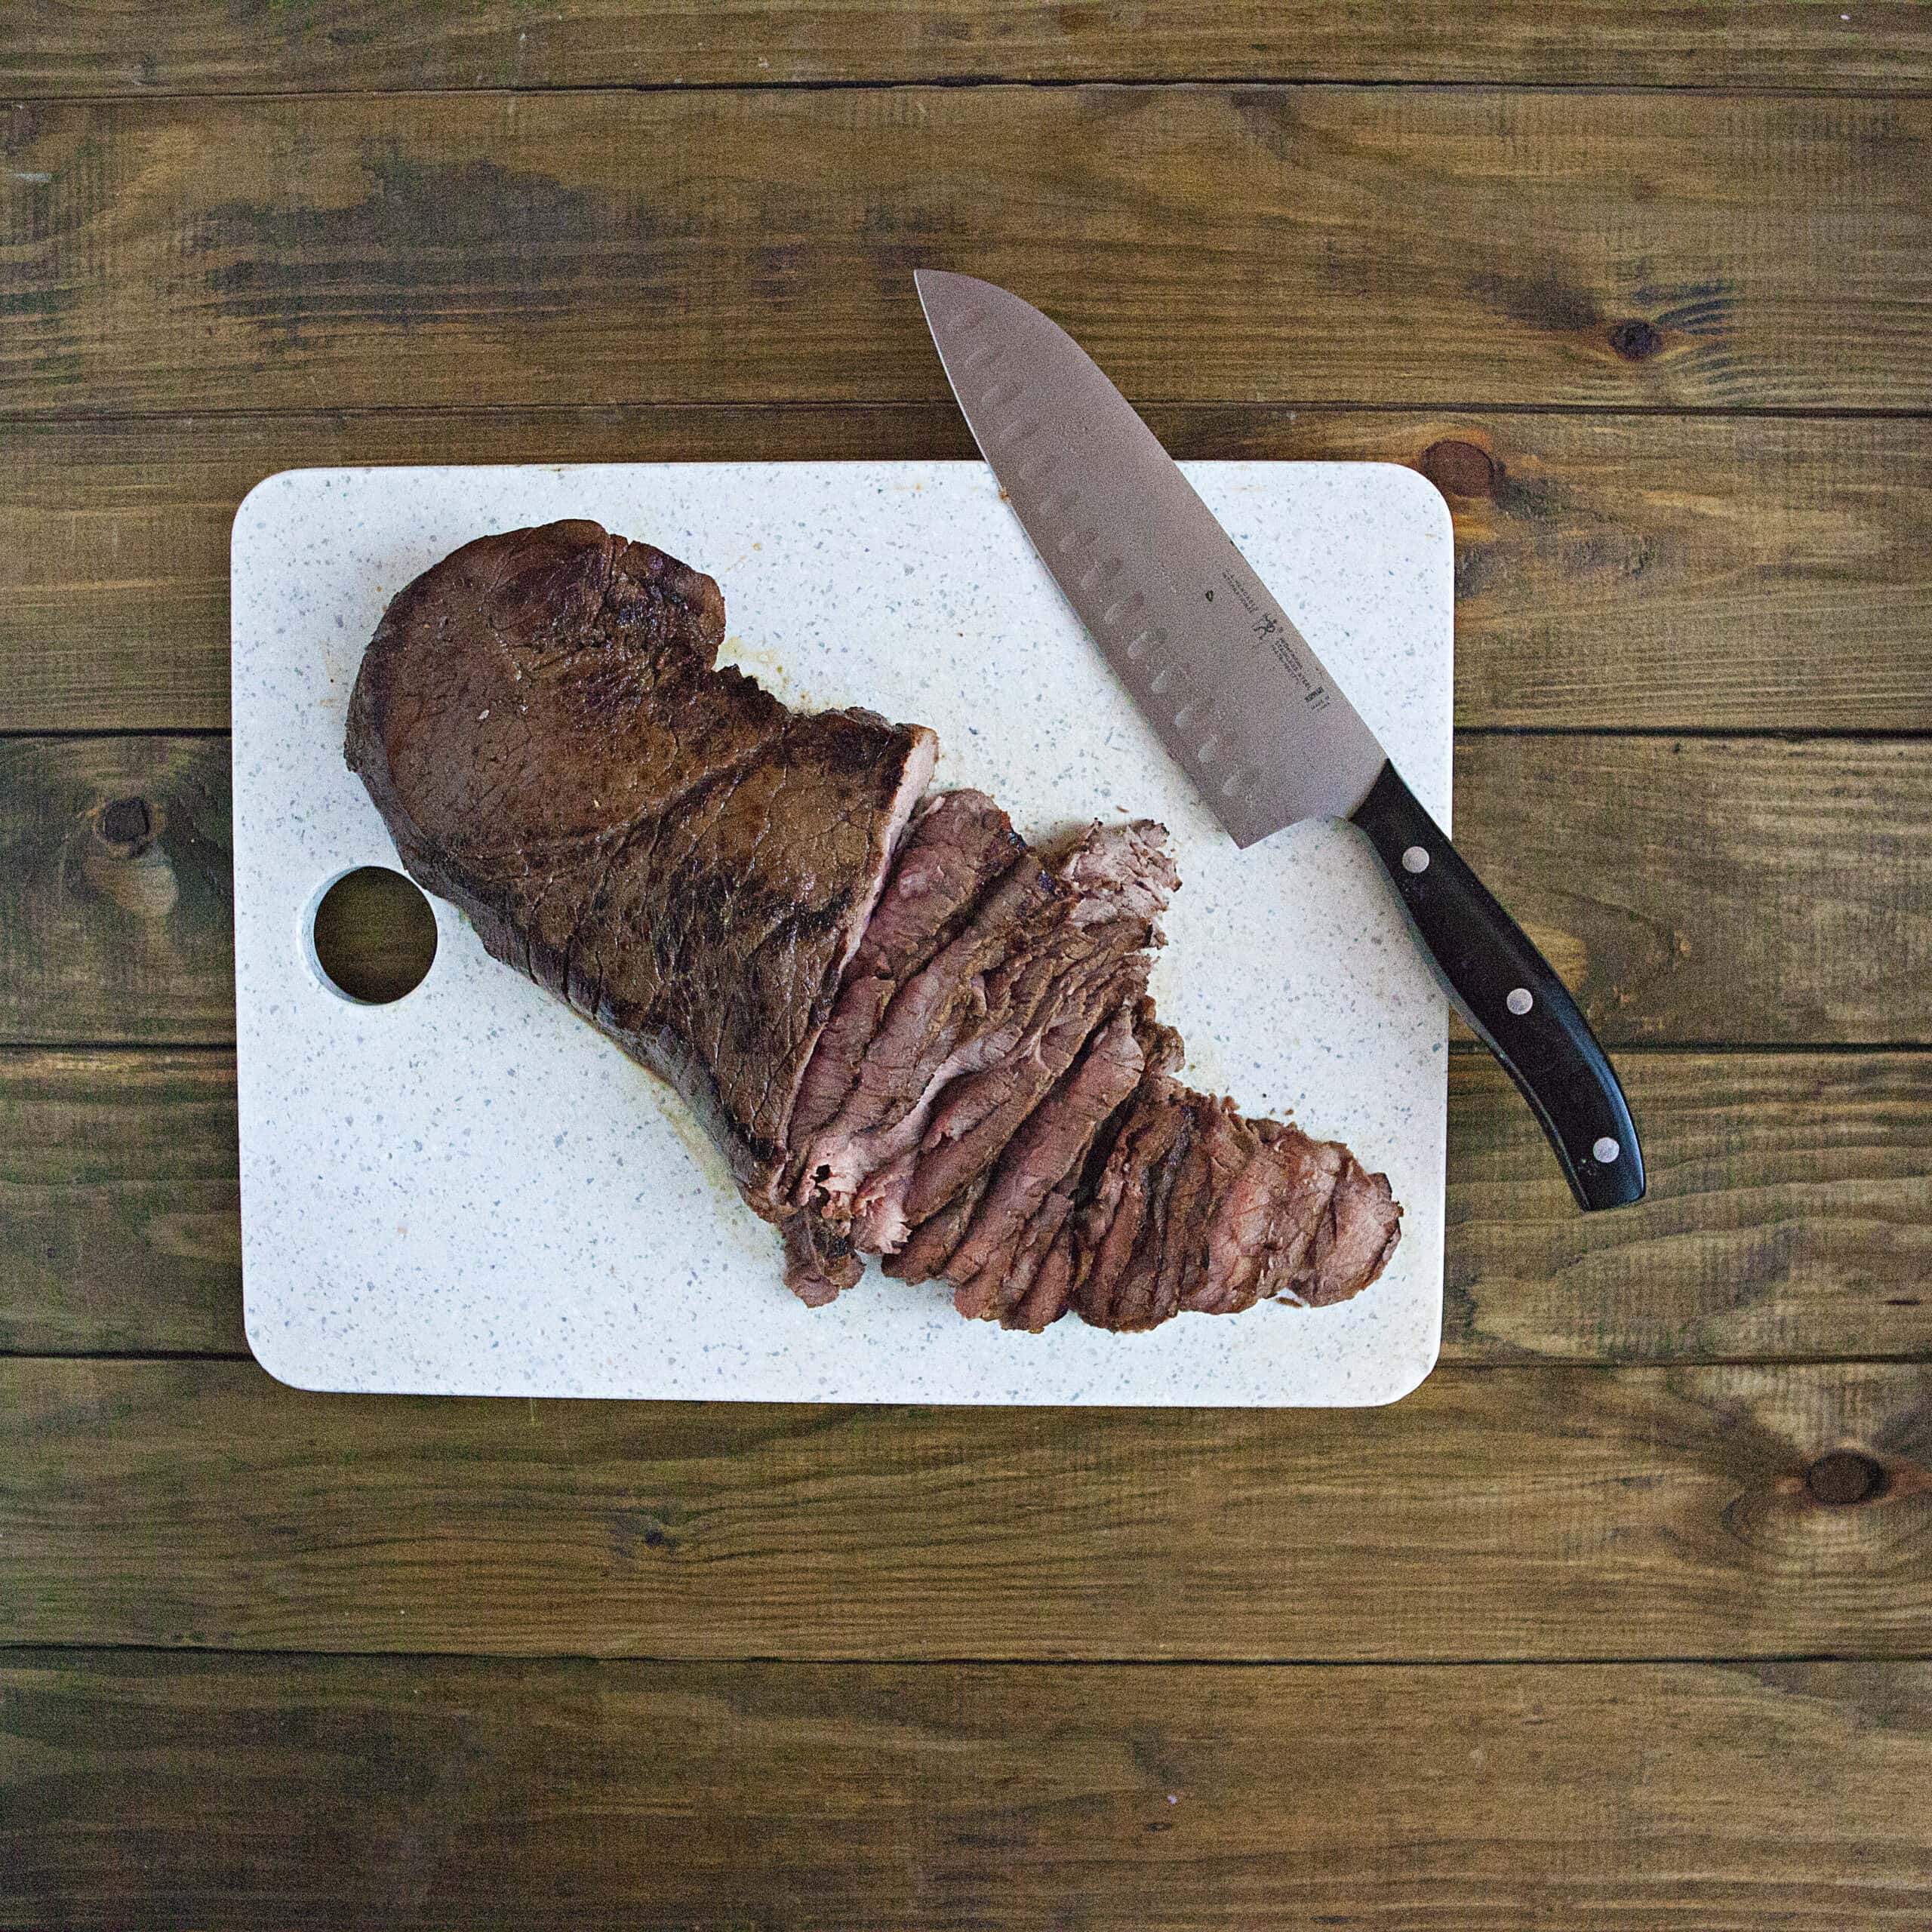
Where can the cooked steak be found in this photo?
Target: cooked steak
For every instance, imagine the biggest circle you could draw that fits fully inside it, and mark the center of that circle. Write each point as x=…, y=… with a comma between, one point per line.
x=912, y=1035
x=664, y=844
x=959, y=843
x=1198, y=1209
x=986, y=1266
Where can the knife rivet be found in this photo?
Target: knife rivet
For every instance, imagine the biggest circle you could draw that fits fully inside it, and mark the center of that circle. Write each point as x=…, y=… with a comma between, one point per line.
x=1605, y=1152
x=1415, y=859
x=1519, y=1002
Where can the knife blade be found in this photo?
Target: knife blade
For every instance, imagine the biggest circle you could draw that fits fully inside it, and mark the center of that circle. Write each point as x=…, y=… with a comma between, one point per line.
x=1240, y=700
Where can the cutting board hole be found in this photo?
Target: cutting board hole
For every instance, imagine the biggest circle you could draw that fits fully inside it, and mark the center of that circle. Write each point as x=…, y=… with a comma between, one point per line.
x=372, y=937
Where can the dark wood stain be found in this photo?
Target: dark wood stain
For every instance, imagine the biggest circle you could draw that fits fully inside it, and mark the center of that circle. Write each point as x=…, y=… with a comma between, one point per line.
x=427, y=241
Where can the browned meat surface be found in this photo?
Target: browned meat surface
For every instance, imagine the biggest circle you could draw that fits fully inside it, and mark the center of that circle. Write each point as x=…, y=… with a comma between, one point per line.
x=661, y=844
x=914, y=1036
x=819, y=1262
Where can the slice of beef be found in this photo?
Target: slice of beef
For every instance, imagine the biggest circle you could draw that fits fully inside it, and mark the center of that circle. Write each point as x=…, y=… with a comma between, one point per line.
x=1198, y=1209
x=1051, y=1281
x=932, y=1030
x=1027, y=1292
x=1047, y=1150
x=664, y=844
x=969, y=1044
x=1303, y=1222
x=958, y=843
x=1120, y=1282
x=934, y=1243
x=820, y=1262
x=1121, y=878
x=929, y=1245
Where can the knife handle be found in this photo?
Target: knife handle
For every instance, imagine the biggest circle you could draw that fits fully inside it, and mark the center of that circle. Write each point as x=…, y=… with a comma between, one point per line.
x=1511, y=996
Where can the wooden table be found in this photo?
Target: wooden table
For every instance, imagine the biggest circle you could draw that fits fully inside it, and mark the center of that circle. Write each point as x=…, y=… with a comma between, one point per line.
x=1624, y=1619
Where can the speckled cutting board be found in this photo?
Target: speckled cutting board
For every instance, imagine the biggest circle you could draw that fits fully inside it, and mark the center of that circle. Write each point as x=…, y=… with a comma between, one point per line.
x=468, y=1192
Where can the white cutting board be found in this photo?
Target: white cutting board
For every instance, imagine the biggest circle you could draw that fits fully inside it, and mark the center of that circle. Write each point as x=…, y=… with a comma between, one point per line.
x=469, y=1192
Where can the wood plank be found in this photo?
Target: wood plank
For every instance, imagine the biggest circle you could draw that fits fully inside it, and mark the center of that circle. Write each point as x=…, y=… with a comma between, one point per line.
x=1600, y=558
x=1790, y=1217
x=116, y=919
x=1446, y=247
x=241, y=1791
x=1694, y=891
x=1497, y=1513
x=48, y=47
x=1716, y=889
x=120, y=1209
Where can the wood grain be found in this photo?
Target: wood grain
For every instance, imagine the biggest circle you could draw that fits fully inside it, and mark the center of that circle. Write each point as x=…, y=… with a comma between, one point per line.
x=1511, y=1512
x=1693, y=891
x=1684, y=573
x=350, y=1792
x=115, y=912
x=1446, y=247
x=47, y=47
x=1716, y=890
x=1790, y=1217
x=120, y=1227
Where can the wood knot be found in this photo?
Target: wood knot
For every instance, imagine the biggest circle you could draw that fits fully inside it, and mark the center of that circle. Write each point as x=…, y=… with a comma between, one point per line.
x=125, y=860
x=1459, y=469
x=1636, y=340
x=1844, y=1478
x=126, y=824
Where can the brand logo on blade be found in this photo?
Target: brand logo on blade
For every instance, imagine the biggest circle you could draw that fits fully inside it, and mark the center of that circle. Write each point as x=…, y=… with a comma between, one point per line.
x=1275, y=634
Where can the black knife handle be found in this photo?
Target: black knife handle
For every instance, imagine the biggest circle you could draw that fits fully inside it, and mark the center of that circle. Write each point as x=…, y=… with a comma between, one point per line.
x=1510, y=995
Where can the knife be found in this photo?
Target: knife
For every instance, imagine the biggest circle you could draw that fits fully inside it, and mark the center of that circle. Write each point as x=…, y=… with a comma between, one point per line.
x=1219, y=669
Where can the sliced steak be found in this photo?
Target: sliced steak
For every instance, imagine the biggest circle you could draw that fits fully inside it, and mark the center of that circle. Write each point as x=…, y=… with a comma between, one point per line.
x=1049, y=1149
x=1119, y=1281
x=958, y=843
x=974, y=1116
x=661, y=844
x=820, y=1262
x=1031, y=1290
x=1198, y=1209
x=1051, y=1281
x=929, y=1245
x=969, y=1044
x=1303, y=1222
x=907, y=1031
x=932, y=1030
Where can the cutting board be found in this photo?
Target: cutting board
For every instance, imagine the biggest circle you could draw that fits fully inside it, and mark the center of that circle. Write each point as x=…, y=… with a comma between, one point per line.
x=468, y=1192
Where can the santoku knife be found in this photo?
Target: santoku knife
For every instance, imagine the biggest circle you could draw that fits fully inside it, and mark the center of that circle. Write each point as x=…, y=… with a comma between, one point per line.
x=1222, y=673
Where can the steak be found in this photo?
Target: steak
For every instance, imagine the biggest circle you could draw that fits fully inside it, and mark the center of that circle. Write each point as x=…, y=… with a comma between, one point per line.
x=662, y=844
x=911, y=1034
